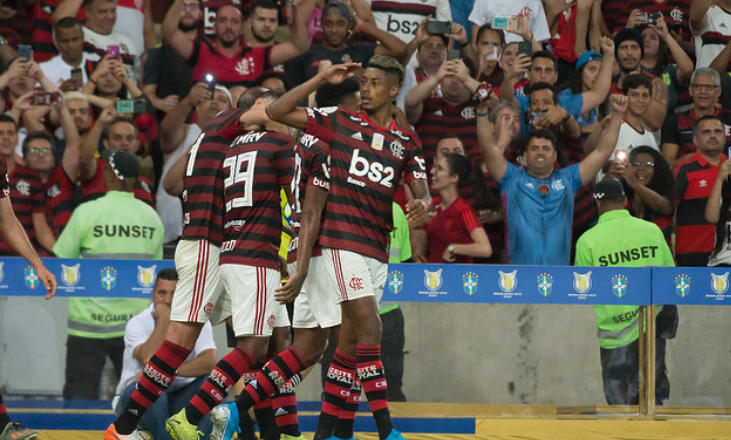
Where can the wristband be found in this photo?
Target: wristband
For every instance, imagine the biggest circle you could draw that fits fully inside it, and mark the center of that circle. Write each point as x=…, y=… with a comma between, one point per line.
x=482, y=115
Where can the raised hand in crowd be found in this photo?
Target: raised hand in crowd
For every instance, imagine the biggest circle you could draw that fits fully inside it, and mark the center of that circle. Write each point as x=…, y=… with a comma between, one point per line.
x=636, y=18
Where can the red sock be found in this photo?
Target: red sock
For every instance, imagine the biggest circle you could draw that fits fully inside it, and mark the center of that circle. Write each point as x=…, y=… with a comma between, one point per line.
x=157, y=376
x=346, y=418
x=275, y=373
x=284, y=403
x=223, y=376
x=373, y=380
x=338, y=382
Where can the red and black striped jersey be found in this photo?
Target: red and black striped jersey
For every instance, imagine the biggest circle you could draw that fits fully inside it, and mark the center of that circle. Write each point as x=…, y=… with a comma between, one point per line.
x=94, y=188
x=26, y=196
x=440, y=119
x=616, y=12
x=678, y=129
x=42, y=37
x=59, y=199
x=202, y=200
x=311, y=167
x=366, y=165
x=4, y=184
x=256, y=167
x=694, y=236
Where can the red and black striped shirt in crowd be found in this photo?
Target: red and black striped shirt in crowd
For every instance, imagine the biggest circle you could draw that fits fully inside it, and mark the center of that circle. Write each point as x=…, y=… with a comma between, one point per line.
x=257, y=166
x=93, y=188
x=440, y=119
x=694, y=236
x=311, y=167
x=202, y=202
x=26, y=196
x=366, y=164
x=678, y=129
x=616, y=12
x=42, y=37
x=4, y=183
x=59, y=190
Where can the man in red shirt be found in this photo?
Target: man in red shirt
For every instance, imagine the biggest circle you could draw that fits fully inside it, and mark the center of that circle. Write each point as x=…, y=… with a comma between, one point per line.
x=227, y=55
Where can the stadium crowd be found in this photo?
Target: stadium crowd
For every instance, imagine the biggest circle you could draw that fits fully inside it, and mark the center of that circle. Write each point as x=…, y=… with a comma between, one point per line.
x=505, y=116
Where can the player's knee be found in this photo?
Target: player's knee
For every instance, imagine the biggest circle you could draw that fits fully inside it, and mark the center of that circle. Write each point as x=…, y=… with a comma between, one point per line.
x=184, y=334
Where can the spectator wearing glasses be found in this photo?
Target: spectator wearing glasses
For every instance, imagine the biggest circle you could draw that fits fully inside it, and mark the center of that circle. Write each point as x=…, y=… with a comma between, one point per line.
x=677, y=132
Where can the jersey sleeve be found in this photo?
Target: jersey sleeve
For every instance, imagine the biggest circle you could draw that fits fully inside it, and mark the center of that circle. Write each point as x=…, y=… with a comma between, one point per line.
x=415, y=166
x=469, y=217
x=319, y=167
x=321, y=122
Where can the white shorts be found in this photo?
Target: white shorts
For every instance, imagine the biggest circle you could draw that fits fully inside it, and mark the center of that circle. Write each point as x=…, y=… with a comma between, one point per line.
x=255, y=311
x=350, y=275
x=315, y=306
x=199, y=294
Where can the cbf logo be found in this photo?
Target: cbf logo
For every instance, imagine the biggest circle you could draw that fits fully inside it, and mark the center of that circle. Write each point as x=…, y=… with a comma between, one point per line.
x=31, y=277
x=396, y=282
x=719, y=283
x=682, y=285
x=469, y=283
x=70, y=275
x=108, y=277
x=619, y=285
x=146, y=275
x=545, y=284
x=582, y=282
x=433, y=280
x=508, y=281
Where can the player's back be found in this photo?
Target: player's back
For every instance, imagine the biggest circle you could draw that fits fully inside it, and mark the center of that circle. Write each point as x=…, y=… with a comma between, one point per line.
x=202, y=204
x=256, y=165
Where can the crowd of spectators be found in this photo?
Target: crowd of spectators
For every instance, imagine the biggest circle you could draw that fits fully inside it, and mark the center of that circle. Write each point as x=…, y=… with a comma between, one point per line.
x=520, y=106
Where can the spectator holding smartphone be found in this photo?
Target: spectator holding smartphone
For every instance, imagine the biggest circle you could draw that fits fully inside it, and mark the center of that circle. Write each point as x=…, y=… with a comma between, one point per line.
x=61, y=69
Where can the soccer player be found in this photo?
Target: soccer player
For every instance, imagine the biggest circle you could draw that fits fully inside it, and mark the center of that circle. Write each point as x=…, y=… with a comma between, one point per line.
x=196, y=259
x=256, y=166
x=15, y=236
x=367, y=160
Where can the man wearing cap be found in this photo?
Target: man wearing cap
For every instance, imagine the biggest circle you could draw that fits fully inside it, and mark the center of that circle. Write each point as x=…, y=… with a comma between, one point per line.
x=621, y=240
x=115, y=226
x=337, y=25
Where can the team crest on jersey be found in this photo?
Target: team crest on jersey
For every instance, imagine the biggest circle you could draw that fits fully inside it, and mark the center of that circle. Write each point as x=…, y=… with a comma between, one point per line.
x=582, y=282
x=682, y=285
x=469, y=283
x=23, y=187
x=146, y=275
x=396, y=282
x=545, y=284
x=70, y=275
x=31, y=277
x=246, y=66
x=108, y=277
x=719, y=283
x=677, y=15
x=468, y=113
x=397, y=149
x=508, y=280
x=619, y=285
x=433, y=280
x=53, y=191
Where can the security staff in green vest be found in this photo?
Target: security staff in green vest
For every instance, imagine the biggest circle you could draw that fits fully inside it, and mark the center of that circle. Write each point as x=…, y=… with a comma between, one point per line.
x=116, y=226
x=619, y=239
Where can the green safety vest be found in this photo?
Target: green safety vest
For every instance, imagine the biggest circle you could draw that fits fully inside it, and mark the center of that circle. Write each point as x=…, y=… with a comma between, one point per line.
x=399, y=248
x=115, y=226
x=621, y=240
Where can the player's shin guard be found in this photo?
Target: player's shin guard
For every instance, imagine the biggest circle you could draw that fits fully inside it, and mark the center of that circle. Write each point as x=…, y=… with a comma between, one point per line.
x=157, y=376
x=223, y=376
x=284, y=403
x=275, y=373
x=373, y=380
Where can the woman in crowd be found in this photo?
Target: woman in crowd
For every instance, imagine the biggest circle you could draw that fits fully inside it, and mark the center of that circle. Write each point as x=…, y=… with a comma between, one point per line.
x=659, y=46
x=648, y=184
x=455, y=233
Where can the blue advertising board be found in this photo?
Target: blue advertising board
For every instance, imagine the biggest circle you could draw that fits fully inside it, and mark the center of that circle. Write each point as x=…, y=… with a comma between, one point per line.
x=691, y=285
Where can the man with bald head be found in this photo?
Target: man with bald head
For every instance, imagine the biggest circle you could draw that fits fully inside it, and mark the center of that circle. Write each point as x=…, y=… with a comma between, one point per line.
x=227, y=56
